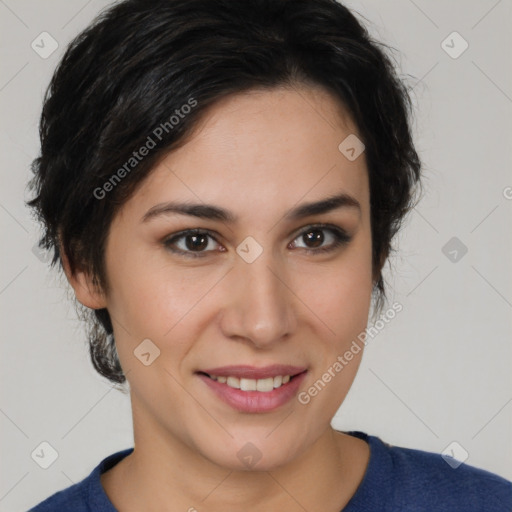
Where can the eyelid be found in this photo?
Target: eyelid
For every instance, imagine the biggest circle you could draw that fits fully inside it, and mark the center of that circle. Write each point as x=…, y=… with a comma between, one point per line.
x=342, y=237
x=318, y=225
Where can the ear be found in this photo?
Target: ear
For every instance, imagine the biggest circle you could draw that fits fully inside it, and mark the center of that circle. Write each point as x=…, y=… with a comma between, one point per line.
x=86, y=292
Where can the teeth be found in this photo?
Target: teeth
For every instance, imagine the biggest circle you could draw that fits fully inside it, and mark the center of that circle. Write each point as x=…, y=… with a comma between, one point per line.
x=248, y=384
x=232, y=382
x=264, y=385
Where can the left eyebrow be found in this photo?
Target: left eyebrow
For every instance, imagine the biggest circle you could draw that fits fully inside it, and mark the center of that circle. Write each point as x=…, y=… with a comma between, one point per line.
x=212, y=212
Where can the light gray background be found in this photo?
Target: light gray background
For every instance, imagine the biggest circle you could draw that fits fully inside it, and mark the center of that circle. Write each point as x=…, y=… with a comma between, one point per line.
x=439, y=372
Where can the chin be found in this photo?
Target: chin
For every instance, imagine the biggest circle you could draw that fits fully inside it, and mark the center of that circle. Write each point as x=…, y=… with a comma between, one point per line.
x=256, y=453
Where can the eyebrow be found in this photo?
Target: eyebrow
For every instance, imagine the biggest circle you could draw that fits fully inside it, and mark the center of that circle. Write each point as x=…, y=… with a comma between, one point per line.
x=212, y=212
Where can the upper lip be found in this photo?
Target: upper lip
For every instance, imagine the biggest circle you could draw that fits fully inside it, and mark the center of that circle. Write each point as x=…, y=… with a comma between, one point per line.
x=252, y=372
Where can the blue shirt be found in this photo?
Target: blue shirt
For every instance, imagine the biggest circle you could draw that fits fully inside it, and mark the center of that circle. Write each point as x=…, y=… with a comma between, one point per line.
x=396, y=479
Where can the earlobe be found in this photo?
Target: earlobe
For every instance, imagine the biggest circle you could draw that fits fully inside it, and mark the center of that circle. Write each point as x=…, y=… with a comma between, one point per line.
x=86, y=292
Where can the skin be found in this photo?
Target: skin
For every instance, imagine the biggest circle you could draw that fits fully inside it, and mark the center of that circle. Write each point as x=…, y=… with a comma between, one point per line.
x=257, y=154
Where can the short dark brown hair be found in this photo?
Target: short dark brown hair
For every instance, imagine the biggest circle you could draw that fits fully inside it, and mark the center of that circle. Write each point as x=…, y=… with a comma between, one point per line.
x=140, y=62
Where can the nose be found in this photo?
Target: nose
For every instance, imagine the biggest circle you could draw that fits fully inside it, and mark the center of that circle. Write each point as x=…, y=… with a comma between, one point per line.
x=261, y=305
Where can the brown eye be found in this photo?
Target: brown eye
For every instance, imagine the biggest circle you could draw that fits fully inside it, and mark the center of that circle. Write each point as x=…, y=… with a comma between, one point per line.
x=314, y=238
x=193, y=243
x=196, y=242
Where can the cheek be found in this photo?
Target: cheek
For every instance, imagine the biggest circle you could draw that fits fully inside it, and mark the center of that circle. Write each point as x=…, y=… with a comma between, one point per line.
x=161, y=302
x=339, y=293
x=341, y=301
x=148, y=297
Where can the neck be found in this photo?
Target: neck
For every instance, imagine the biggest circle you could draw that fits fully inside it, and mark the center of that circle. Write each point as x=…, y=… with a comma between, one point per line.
x=163, y=470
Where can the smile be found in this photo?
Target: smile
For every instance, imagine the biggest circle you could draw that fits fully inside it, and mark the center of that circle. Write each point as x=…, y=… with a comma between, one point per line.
x=262, y=385
x=254, y=395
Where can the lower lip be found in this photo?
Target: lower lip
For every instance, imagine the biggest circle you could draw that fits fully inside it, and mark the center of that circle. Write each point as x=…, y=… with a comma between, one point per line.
x=255, y=401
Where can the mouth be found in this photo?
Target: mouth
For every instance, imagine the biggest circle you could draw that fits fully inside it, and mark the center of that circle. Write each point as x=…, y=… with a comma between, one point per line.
x=235, y=387
x=265, y=385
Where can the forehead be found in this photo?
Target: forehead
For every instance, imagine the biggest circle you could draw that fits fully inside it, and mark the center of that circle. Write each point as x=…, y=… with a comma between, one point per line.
x=262, y=151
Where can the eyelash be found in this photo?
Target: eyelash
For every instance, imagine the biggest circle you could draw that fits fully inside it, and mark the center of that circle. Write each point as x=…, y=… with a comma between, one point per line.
x=340, y=238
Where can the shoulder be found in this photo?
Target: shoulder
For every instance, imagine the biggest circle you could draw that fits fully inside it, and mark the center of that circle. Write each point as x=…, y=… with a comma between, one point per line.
x=400, y=479
x=431, y=480
x=85, y=495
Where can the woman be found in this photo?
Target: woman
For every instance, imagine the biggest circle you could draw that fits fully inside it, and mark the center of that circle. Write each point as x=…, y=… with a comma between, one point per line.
x=221, y=182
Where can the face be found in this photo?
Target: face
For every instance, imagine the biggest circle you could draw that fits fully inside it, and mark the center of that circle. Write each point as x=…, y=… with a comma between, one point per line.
x=256, y=287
